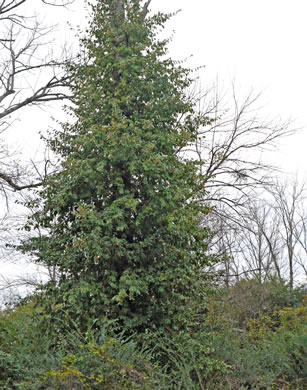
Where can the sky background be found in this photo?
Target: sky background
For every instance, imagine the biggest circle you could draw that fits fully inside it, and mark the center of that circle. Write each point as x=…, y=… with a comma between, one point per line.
x=260, y=46
x=257, y=45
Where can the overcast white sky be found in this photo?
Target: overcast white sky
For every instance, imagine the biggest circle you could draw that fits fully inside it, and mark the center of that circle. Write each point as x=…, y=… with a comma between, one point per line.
x=261, y=44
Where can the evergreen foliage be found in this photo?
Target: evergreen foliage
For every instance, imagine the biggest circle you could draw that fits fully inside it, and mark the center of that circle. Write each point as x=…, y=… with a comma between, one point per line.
x=121, y=218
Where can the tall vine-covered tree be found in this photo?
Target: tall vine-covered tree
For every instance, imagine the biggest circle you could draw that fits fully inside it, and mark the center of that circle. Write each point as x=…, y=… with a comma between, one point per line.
x=122, y=217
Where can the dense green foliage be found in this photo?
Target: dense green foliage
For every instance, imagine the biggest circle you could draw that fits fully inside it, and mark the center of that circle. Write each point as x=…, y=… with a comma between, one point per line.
x=99, y=359
x=122, y=217
x=260, y=331
x=28, y=360
x=265, y=352
x=24, y=349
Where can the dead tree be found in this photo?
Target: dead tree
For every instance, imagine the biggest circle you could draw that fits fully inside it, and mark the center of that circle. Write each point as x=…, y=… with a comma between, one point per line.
x=288, y=201
x=30, y=74
x=269, y=236
x=229, y=146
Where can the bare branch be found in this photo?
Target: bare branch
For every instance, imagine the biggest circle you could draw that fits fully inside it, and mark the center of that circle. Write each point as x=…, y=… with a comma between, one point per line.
x=58, y=3
x=8, y=6
x=30, y=74
x=8, y=179
x=145, y=8
x=229, y=146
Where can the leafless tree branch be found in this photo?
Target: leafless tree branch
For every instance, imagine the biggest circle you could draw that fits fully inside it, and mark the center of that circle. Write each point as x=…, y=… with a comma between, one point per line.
x=30, y=74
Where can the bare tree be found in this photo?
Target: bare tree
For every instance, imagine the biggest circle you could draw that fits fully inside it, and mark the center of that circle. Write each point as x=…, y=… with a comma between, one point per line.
x=301, y=237
x=268, y=237
x=9, y=9
x=240, y=242
x=30, y=74
x=231, y=139
x=222, y=244
x=288, y=199
x=261, y=249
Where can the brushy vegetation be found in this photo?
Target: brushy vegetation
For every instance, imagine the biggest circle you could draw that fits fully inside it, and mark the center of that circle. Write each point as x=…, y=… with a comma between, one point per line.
x=263, y=341
x=101, y=359
x=229, y=348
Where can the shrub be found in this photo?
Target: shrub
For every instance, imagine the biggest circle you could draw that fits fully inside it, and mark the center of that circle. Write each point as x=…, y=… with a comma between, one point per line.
x=267, y=352
x=115, y=364
x=25, y=351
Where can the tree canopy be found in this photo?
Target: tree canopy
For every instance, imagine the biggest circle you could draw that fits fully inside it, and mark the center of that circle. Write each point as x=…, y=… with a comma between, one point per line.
x=121, y=220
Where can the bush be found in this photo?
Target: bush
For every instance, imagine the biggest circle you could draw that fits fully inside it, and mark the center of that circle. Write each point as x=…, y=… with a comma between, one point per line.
x=25, y=351
x=249, y=299
x=264, y=352
x=186, y=358
x=30, y=360
x=113, y=364
x=102, y=358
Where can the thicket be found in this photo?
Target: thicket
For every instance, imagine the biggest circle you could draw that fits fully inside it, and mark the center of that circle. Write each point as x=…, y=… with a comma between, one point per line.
x=259, y=330
x=232, y=348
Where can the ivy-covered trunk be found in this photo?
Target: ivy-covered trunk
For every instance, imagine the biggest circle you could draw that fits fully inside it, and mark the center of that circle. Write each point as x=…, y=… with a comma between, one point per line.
x=122, y=215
